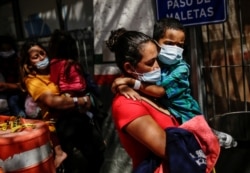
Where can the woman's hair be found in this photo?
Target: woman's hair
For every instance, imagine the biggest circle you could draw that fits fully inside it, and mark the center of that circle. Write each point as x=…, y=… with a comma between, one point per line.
x=25, y=64
x=164, y=24
x=9, y=40
x=127, y=46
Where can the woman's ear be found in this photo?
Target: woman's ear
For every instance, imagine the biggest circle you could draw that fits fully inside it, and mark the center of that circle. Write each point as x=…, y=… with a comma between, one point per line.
x=128, y=68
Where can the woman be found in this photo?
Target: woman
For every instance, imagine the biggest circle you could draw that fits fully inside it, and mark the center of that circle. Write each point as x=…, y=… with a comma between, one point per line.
x=149, y=133
x=141, y=127
x=71, y=125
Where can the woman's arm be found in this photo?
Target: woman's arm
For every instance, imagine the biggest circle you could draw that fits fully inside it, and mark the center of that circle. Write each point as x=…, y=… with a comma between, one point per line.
x=149, y=133
x=9, y=86
x=63, y=102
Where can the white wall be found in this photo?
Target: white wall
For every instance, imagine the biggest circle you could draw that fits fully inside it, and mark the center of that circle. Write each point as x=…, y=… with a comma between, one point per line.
x=112, y=14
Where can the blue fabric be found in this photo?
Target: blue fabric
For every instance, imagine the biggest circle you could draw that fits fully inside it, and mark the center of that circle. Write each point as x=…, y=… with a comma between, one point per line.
x=178, y=99
x=184, y=152
x=149, y=165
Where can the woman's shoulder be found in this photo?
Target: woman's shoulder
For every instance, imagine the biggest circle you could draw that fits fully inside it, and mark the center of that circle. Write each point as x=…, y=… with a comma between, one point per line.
x=125, y=110
x=37, y=80
x=128, y=107
x=120, y=100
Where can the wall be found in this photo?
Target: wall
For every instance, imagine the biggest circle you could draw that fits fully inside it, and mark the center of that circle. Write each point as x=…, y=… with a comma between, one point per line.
x=110, y=15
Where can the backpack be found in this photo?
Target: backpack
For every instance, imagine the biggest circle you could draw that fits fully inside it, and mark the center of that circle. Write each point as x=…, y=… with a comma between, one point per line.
x=184, y=152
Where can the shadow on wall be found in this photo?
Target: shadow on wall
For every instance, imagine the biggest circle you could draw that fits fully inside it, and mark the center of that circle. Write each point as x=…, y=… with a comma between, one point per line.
x=116, y=158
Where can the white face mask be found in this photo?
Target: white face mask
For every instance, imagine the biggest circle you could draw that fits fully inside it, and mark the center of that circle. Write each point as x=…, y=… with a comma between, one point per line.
x=151, y=77
x=170, y=54
x=7, y=54
x=42, y=64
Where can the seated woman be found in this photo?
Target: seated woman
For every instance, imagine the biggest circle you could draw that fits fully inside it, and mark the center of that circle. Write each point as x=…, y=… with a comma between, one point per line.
x=142, y=125
x=71, y=126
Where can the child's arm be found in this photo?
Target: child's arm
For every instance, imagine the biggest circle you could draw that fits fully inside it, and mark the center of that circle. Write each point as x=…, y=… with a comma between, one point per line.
x=152, y=90
x=176, y=81
x=121, y=85
x=149, y=89
x=128, y=92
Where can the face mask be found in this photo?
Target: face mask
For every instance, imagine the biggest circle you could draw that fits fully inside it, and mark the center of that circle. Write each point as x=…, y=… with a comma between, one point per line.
x=7, y=54
x=152, y=76
x=42, y=64
x=170, y=54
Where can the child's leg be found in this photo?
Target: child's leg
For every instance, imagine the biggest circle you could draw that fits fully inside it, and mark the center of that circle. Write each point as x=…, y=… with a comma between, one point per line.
x=60, y=155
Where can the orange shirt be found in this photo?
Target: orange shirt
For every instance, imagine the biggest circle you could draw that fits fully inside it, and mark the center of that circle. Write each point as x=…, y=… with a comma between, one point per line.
x=37, y=85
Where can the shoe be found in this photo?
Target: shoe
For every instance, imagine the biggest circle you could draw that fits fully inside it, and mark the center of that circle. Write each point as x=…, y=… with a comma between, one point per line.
x=226, y=141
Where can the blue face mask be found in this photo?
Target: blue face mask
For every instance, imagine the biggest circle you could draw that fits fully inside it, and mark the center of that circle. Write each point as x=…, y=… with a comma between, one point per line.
x=42, y=64
x=170, y=54
x=151, y=77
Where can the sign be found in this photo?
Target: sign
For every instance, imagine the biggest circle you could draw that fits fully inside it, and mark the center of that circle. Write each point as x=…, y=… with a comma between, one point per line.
x=193, y=12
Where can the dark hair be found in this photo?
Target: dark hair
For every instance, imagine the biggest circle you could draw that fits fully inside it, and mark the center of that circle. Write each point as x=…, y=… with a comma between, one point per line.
x=62, y=45
x=25, y=64
x=164, y=24
x=127, y=46
x=8, y=39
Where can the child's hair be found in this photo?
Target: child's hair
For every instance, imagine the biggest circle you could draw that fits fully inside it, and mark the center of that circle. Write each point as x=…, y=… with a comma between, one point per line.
x=164, y=24
x=63, y=46
x=127, y=46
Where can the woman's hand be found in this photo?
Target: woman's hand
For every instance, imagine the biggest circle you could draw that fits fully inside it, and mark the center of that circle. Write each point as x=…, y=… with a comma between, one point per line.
x=85, y=103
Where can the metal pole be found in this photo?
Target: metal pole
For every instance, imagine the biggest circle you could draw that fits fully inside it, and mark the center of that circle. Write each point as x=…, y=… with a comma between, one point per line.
x=195, y=67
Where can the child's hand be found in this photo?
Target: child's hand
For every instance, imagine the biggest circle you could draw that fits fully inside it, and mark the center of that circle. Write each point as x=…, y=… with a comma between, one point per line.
x=119, y=81
x=128, y=92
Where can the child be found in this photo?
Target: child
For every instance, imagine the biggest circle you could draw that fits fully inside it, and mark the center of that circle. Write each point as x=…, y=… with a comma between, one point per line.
x=36, y=74
x=68, y=74
x=173, y=90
